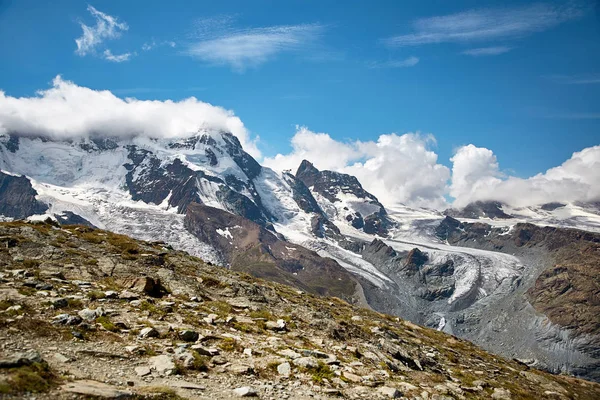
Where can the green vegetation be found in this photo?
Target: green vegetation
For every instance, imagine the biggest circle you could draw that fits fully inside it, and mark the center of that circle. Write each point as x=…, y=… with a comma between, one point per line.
x=107, y=324
x=34, y=378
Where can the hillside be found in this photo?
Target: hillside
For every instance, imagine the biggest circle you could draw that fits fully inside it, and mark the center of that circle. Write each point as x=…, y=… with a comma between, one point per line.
x=88, y=312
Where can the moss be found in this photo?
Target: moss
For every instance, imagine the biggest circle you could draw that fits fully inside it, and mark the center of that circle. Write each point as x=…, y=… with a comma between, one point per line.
x=26, y=291
x=31, y=264
x=218, y=307
x=262, y=313
x=321, y=372
x=230, y=344
x=211, y=282
x=34, y=378
x=107, y=324
x=200, y=362
x=74, y=303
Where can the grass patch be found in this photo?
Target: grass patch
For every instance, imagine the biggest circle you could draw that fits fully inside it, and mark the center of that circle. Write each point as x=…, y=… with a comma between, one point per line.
x=107, y=324
x=220, y=308
x=31, y=264
x=95, y=295
x=34, y=378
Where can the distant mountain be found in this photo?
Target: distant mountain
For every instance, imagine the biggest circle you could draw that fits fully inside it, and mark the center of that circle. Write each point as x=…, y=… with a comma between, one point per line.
x=321, y=232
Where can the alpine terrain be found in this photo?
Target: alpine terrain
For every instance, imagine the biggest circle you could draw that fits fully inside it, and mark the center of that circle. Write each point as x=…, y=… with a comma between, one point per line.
x=522, y=283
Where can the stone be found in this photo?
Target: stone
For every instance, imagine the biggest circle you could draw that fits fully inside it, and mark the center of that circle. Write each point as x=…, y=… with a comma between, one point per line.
x=60, y=303
x=240, y=369
x=87, y=314
x=390, y=392
x=289, y=354
x=111, y=294
x=187, y=385
x=284, y=369
x=315, y=353
x=128, y=295
x=61, y=358
x=96, y=389
x=352, y=377
x=144, y=285
x=188, y=335
x=407, y=386
x=306, y=362
x=204, y=351
x=211, y=318
x=501, y=394
x=356, y=318
x=142, y=371
x=279, y=325
x=21, y=359
x=162, y=364
x=219, y=360
x=149, y=332
x=245, y=391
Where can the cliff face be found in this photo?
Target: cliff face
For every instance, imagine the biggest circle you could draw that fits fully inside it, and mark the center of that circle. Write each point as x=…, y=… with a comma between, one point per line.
x=17, y=197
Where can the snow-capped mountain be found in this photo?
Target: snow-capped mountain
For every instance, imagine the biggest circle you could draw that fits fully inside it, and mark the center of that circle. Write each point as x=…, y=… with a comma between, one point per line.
x=320, y=231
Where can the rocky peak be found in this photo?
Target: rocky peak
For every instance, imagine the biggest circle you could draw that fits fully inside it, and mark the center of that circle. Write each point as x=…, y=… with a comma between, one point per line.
x=480, y=209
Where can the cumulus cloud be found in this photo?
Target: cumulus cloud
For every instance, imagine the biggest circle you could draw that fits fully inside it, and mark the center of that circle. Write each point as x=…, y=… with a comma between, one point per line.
x=487, y=24
x=107, y=27
x=218, y=42
x=116, y=57
x=395, y=168
x=67, y=110
x=476, y=176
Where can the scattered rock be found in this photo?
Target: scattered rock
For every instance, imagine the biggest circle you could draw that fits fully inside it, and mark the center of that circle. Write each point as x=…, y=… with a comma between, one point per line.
x=188, y=335
x=501, y=394
x=276, y=326
x=245, y=391
x=96, y=389
x=284, y=369
x=142, y=371
x=240, y=369
x=61, y=358
x=88, y=315
x=60, y=303
x=306, y=362
x=149, y=332
x=352, y=377
x=390, y=392
x=162, y=364
x=289, y=354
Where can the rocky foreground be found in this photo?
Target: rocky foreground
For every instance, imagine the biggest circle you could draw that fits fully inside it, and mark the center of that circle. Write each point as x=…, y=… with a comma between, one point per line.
x=86, y=313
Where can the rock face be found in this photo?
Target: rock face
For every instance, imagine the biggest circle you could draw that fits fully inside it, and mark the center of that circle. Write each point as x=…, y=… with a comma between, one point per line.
x=479, y=209
x=250, y=248
x=563, y=284
x=344, y=199
x=18, y=198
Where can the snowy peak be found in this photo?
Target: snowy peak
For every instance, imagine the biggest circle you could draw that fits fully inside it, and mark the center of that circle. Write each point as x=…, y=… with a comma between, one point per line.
x=343, y=199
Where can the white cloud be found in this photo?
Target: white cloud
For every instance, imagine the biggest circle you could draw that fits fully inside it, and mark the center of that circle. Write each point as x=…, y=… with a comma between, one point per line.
x=151, y=45
x=67, y=110
x=108, y=55
x=407, y=62
x=395, y=168
x=107, y=27
x=220, y=43
x=487, y=51
x=486, y=24
x=583, y=79
x=476, y=176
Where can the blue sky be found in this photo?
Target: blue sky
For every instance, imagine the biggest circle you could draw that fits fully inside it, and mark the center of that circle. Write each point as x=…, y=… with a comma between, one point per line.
x=520, y=78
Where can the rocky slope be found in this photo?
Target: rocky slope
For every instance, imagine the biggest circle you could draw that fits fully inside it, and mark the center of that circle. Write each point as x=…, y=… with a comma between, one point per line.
x=562, y=284
x=88, y=313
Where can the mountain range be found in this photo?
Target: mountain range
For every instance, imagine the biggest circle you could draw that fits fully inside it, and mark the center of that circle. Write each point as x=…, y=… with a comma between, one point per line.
x=520, y=282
